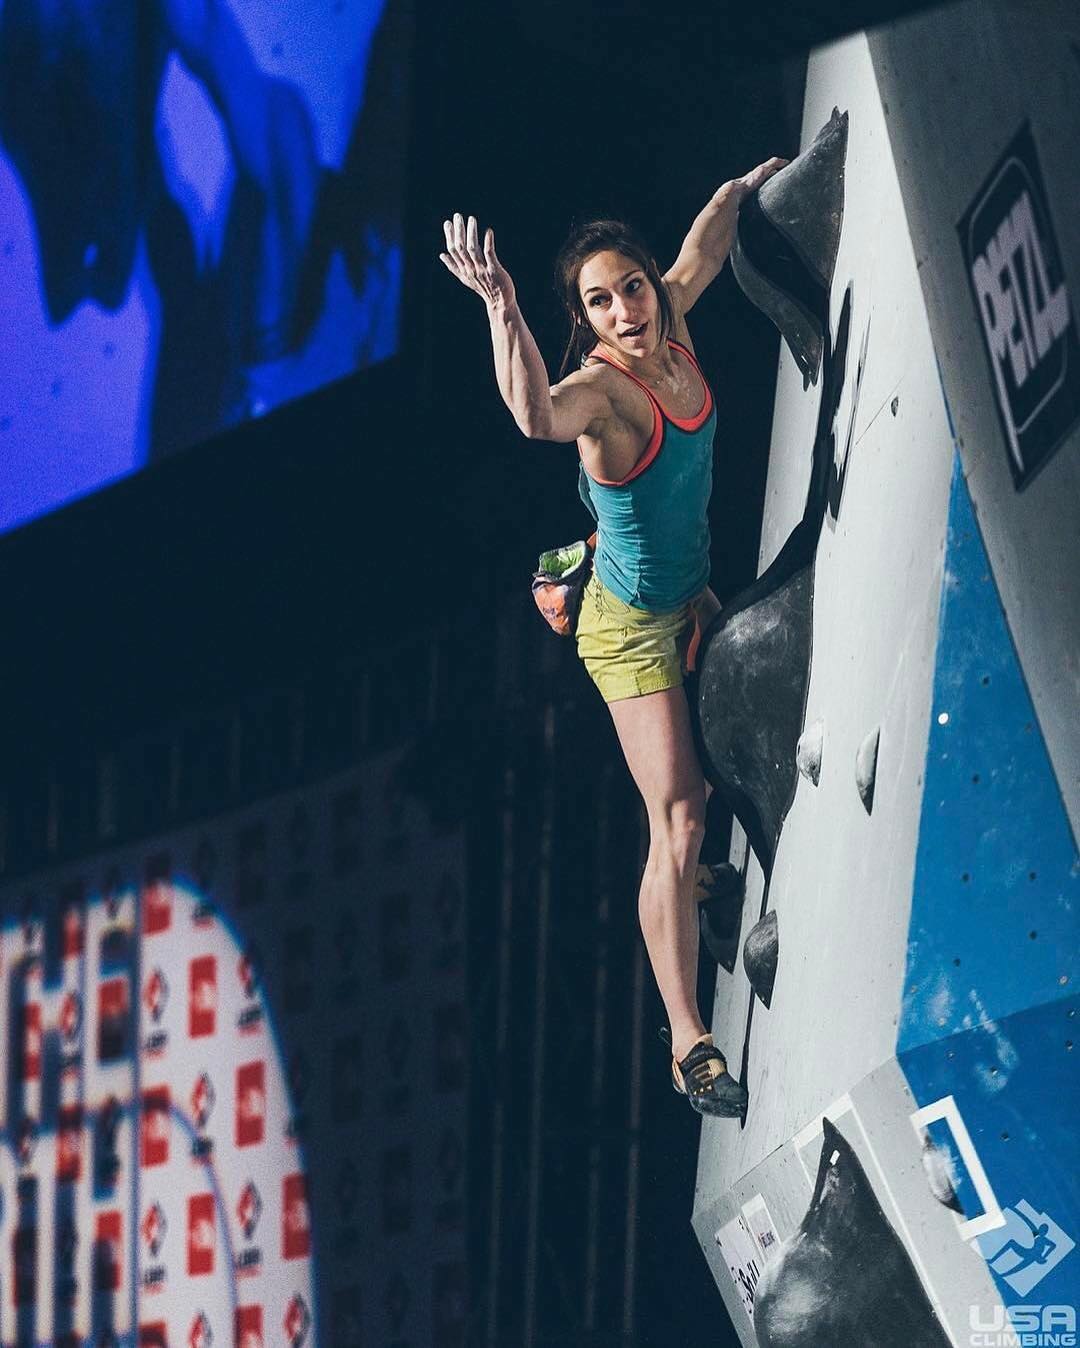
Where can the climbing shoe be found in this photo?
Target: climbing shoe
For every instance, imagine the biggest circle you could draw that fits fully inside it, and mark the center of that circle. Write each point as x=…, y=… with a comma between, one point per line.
x=702, y=1076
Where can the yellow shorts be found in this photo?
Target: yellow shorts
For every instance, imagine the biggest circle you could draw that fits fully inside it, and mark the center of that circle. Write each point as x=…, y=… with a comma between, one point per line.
x=627, y=651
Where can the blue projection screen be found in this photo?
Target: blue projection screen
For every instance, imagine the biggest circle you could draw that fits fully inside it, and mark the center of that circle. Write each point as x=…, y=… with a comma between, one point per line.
x=200, y=219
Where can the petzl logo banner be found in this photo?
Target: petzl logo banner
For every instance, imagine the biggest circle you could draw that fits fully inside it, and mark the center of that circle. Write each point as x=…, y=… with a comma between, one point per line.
x=1022, y=298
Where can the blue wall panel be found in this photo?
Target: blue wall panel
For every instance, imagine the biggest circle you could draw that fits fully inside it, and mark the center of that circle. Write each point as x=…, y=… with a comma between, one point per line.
x=993, y=921
x=990, y=1007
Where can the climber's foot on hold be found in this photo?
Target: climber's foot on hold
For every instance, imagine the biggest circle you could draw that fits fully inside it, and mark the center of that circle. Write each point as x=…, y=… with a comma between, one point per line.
x=702, y=1076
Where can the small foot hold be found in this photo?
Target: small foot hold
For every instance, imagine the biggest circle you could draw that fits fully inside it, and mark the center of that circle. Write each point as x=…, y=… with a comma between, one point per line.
x=938, y=1165
x=808, y=751
x=719, y=894
x=719, y=881
x=866, y=768
x=761, y=953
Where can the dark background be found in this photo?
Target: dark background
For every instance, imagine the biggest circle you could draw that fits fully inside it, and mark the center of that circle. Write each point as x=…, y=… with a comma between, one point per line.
x=301, y=537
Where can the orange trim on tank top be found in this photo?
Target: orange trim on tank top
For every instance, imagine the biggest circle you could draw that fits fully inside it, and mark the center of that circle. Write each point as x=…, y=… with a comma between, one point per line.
x=656, y=439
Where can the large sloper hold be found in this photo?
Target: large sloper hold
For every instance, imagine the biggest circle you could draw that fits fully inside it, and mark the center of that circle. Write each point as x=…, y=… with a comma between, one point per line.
x=788, y=236
x=754, y=660
x=845, y=1276
x=754, y=674
x=760, y=955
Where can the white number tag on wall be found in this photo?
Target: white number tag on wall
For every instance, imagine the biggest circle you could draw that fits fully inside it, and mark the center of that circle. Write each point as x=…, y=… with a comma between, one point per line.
x=743, y=1259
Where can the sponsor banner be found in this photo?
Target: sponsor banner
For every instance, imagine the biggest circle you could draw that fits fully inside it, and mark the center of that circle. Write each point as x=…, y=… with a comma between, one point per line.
x=295, y=1219
x=201, y=1235
x=202, y=997
x=250, y=1104
x=1026, y=312
x=154, y=1134
x=204, y=1064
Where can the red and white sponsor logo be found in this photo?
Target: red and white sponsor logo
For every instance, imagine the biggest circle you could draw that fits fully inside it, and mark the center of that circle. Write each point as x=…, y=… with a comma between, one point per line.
x=70, y=1016
x=108, y=1251
x=202, y=1100
x=202, y=1003
x=69, y=1135
x=157, y=896
x=247, y=969
x=297, y=1321
x=152, y=1228
x=155, y=994
x=154, y=1130
x=249, y=1327
x=295, y=1218
x=72, y=933
x=250, y=1104
x=31, y=1042
x=201, y=1234
x=249, y=1209
x=200, y=1335
x=112, y=998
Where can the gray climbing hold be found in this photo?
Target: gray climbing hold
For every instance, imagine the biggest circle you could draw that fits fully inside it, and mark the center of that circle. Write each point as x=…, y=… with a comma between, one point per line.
x=787, y=241
x=753, y=673
x=761, y=950
x=719, y=894
x=938, y=1164
x=845, y=1276
x=866, y=768
x=808, y=751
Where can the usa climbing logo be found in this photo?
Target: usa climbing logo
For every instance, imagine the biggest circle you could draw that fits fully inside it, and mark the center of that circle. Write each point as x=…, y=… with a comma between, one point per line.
x=1028, y=1247
x=1022, y=1252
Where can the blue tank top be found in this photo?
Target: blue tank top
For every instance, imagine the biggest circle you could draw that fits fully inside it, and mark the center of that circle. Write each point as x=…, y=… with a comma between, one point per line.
x=652, y=544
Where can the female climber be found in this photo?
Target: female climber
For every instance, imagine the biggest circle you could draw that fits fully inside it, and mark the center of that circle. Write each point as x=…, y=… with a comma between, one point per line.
x=643, y=417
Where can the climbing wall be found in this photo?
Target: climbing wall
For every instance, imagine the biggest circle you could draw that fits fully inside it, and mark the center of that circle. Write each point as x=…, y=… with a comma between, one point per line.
x=902, y=1173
